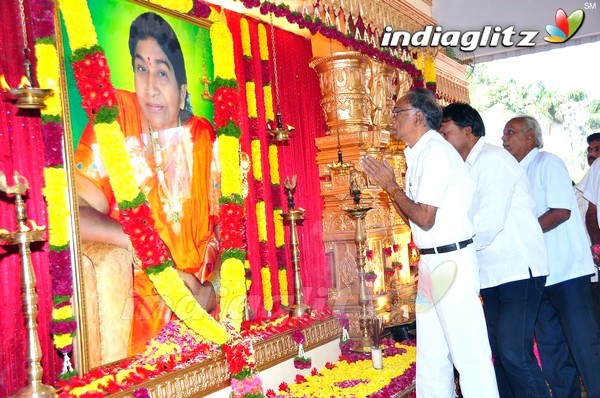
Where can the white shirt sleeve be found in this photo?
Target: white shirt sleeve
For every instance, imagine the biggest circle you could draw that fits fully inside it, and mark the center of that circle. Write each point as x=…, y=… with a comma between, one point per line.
x=591, y=189
x=496, y=183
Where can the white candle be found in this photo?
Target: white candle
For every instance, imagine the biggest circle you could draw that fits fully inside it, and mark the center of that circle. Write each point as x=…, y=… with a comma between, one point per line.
x=377, y=358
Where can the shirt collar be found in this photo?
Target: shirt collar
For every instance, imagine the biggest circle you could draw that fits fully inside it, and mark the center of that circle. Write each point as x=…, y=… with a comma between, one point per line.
x=528, y=159
x=415, y=150
x=475, y=151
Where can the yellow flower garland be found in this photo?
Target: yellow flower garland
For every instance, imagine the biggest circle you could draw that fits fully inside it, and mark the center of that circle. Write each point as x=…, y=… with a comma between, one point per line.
x=262, y=43
x=62, y=312
x=245, y=33
x=62, y=340
x=274, y=164
x=234, y=297
x=279, y=231
x=251, y=98
x=256, y=160
x=222, y=45
x=249, y=280
x=48, y=76
x=183, y=6
x=283, y=287
x=172, y=288
x=231, y=181
x=265, y=274
x=268, y=93
x=429, y=73
x=261, y=220
x=55, y=192
x=78, y=19
x=115, y=156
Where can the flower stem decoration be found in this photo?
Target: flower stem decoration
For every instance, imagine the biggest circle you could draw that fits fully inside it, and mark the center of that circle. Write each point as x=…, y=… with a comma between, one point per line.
x=63, y=325
x=301, y=361
x=231, y=210
x=89, y=64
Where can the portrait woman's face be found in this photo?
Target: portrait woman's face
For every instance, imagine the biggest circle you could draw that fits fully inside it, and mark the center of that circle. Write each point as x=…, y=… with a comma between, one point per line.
x=156, y=87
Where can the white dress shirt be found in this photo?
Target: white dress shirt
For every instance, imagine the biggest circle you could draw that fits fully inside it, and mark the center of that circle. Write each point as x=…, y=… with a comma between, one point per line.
x=569, y=255
x=508, y=236
x=437, y=176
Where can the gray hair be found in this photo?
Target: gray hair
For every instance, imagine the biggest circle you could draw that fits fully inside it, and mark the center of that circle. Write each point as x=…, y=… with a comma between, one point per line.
x=530, y=123
x=424, y=100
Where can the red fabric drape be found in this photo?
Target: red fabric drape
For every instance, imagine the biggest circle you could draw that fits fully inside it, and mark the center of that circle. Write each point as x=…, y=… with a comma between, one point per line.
x=300, y=96
x=21, y=149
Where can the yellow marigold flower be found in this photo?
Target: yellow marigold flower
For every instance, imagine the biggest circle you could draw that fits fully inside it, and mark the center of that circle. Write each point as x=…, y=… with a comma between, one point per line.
x=274, y=163
x=429, y=74
x=47, y=73
x=279, y=231
x=251, y=99
x=261, y=220
x=232, y=292
x=249, y=280
x=270, y=115
x=262, y=42
x=55, y=192
x=231, y=181
x=283, y=287
x=222, y=45
x=112, y=148
x=265, y=274
x=183, y=6
x=123, y=374
x=171, y=288
x=62, y=340
x=62, y=313
x=256, y=159
x=245, y=33
x=78, y=22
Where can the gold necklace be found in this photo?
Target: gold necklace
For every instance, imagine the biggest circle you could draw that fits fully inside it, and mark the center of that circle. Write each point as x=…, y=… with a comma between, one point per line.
x=171, y=201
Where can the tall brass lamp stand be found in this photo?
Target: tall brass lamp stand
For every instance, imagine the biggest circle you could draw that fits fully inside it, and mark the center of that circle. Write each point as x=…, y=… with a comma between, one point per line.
x=25, y=234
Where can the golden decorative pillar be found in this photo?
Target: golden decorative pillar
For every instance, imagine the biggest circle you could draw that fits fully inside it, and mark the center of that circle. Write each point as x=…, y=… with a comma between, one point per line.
x=357, y=96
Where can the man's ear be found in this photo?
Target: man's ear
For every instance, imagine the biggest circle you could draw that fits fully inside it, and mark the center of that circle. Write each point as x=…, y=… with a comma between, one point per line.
x=182, y=95
x=468, y=130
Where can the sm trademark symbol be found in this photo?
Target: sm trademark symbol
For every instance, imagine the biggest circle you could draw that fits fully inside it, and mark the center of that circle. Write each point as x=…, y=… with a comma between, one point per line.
x=590, y=6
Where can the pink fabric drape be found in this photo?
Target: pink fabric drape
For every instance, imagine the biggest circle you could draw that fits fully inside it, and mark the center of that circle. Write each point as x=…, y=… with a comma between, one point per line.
x=22, y=150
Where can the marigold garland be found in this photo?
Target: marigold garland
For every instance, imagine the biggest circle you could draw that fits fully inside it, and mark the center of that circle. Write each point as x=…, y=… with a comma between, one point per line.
x=269, y=113
x=261, y=220
x=274, y=164
x=48, y=76
x=245, y=34
x=233, y=282
x=78, y=21
x=222, y=45
x=256, y=159
x=156, y=261
x=262, y=43
x=283, y=286
x=183, y=6
x=231, y=181
x=63, y=325
x=251, y=98
x=265, y=273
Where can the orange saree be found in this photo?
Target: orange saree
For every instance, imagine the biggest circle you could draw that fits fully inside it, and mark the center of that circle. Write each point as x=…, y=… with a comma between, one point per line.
x=189, y=236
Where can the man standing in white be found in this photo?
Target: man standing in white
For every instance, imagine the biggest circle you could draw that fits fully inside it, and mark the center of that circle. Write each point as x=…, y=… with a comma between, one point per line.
x=510, y=250
x=566, y=330
x=451, y=330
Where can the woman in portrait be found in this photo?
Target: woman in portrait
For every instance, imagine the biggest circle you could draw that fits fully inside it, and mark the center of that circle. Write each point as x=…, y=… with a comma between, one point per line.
x=171, y=152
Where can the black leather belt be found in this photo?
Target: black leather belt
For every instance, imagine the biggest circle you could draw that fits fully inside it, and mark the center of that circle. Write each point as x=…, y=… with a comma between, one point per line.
x=446, y=248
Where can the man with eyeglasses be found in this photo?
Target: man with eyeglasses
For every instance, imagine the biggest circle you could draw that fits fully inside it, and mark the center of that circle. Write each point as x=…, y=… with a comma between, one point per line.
x=566, y=329
x=451, y=327
x=510, y=249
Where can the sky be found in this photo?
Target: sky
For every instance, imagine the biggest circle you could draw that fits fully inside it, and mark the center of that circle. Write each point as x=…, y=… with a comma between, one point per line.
x=563, y=69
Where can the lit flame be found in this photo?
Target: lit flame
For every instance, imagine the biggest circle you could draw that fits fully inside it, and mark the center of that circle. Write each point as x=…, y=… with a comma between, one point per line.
x=24, y=82
x=3, y=84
